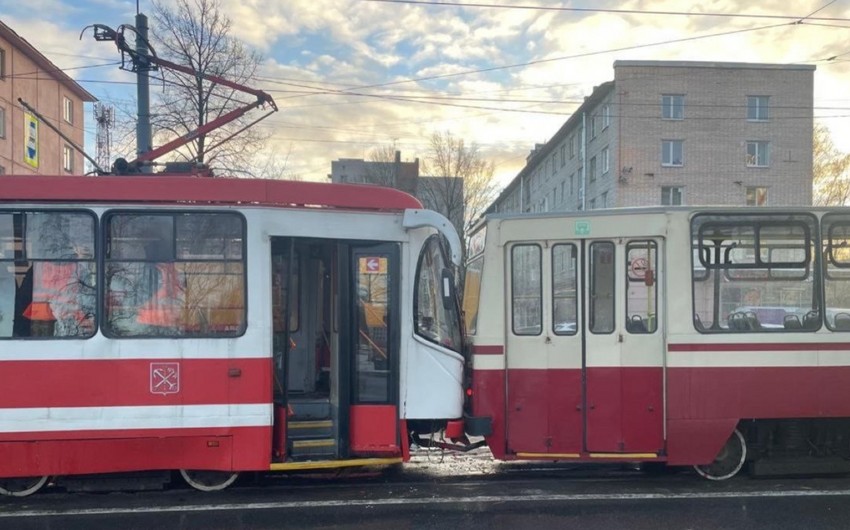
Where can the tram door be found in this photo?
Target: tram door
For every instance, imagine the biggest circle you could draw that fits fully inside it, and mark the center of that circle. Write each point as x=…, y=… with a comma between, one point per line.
x=623, y=346
x=335, y=342
x=304, y=342
x=584, y=348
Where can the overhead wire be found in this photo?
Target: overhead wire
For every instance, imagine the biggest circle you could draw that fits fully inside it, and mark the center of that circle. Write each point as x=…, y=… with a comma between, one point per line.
x=648, y=12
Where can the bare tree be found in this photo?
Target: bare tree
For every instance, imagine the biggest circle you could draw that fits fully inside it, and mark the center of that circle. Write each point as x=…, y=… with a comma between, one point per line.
x=829, y=170
x=461, y=184
x=275, y=166
x=383, y=169
x=195, y=33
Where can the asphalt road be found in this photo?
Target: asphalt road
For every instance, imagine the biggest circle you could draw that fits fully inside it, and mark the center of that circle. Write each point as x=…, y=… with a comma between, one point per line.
x=469, y=495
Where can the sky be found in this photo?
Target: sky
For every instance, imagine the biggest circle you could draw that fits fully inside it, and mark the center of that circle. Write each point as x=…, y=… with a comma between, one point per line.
x=352, y=75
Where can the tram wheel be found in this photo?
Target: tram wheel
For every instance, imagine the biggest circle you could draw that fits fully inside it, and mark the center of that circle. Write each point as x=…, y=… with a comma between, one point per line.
x=729, y=461
x=208, y=480
x=21, y=486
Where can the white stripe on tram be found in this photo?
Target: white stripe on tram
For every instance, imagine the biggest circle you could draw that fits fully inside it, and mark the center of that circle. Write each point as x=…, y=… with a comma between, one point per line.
x=144, y=417
x=485, y=499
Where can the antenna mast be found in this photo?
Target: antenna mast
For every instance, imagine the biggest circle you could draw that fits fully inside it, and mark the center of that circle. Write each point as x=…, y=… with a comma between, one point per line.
x=104, y=116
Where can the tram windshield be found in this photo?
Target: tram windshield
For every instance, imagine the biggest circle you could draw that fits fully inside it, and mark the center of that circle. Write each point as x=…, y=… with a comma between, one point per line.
x=436, y=310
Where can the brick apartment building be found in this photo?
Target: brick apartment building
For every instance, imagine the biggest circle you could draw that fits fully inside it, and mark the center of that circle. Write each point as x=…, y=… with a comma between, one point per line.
x=27, y=146
x=673, y=132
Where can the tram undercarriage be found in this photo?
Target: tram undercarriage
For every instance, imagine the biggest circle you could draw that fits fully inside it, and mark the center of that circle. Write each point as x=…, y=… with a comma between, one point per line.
x=802, y=446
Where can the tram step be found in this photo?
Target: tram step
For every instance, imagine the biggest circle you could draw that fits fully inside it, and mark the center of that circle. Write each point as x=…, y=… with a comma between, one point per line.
x=800, y=466
x=309, y=429
x=301, y=449
x=310, y=409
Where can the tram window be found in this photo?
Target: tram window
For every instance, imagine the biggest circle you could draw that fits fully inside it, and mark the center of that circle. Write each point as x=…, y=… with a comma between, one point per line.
x=472, y=294
x=754, y=273
x=564, y=293
x=47, y=274
x=836, y=251
x=174, y=275
x=434, y=321
x=602, y=275
x=641, y=296
x=280, y=298
x=373, y=283
x=526, y=290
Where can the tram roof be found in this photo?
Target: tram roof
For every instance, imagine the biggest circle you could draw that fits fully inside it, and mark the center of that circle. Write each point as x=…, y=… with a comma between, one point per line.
x=158, y=189
x=642, y=210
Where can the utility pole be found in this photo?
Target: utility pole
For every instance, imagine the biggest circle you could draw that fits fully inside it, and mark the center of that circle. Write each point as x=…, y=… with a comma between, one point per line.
x=144, y=142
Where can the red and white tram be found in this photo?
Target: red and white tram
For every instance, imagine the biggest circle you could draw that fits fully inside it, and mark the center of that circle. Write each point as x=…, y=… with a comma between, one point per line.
x=691, y=336
x=217, y=326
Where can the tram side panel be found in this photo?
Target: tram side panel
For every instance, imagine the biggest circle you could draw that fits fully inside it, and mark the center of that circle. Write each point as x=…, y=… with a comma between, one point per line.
x=79, y=402
x=485, y=314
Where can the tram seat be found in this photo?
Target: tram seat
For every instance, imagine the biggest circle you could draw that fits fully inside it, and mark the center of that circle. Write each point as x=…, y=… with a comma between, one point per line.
x=842, y=322
x=811, y=320
x=792, y=322
x=753, y=323
x=738, y=322
x=744, y=321
x=698, y=322
x=636, y=325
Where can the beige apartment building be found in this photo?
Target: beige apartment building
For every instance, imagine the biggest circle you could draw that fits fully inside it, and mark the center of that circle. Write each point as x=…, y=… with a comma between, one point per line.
x=677, y=132
x=28, y=146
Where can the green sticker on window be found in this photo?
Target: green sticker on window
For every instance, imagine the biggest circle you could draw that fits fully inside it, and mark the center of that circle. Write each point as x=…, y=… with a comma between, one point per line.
x=582, y=228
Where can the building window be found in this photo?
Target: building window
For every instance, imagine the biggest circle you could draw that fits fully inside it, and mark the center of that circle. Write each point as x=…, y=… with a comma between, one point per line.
x=758, y=154
x=671, y=152
x=592, y=204
x=554, y=164
x=2, y=170
x=604, y=160
x=592, y=169
x=563, y=155
x=572, y=141
x=2, y=63
x=68, y=110
x=756, y=196
x=757, y=108
x=603, y=200
x=592, y=125
x=67, y=158
x=673, y=106
x=563, y=197
x=2, y=122
x=671, y=195
x=606, y=117
x=572, y=183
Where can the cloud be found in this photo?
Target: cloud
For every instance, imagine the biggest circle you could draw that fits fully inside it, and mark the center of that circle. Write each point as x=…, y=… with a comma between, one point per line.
x=317, y=51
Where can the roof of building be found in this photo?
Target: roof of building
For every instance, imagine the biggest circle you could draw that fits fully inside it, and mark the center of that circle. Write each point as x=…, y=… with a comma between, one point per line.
x=43, y=62
x=599, y=93
x=715, y=64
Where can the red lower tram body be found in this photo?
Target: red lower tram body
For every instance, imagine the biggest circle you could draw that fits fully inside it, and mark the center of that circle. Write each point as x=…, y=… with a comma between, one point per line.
x=106, y=416
x=681, y=415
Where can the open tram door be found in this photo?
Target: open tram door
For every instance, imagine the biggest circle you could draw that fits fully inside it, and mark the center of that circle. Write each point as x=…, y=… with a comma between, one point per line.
x=336, y=362
x=585, y=348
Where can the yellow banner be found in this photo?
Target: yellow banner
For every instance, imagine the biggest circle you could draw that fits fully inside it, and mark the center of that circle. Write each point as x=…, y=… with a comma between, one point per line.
x=31, y=136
